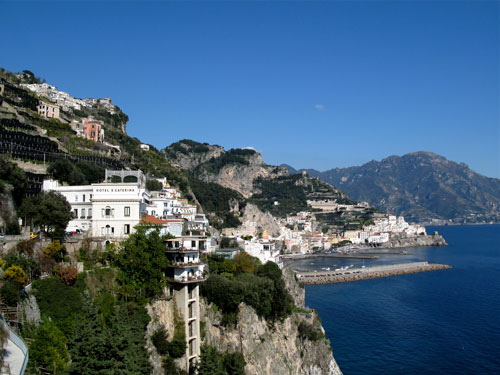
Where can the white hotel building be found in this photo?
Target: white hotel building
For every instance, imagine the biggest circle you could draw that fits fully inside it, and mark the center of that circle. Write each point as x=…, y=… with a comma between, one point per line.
x=110, y=209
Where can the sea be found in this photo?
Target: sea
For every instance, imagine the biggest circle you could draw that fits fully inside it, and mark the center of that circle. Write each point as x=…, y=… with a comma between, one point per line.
x=440, y=322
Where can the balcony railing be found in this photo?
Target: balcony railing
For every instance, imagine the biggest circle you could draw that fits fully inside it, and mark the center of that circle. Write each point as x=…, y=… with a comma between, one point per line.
x=189, y=279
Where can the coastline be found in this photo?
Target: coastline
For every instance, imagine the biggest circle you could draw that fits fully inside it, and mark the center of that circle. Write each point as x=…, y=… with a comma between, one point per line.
x=357, y=274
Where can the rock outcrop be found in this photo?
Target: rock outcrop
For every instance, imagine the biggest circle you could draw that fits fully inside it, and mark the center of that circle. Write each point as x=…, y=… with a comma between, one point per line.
x=162, y=316
x=415, y=241
x=241, y=177
x=273, y=348
x=253, y=216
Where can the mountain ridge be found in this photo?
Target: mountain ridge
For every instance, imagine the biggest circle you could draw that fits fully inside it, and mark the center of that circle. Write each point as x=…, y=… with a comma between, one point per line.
x=422, y=185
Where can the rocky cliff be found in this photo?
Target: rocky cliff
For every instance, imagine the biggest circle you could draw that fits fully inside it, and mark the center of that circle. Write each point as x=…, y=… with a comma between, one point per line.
x=235, y=169
x=279, y=348
x=241, y=177
x=252, y=216
x=415, y=241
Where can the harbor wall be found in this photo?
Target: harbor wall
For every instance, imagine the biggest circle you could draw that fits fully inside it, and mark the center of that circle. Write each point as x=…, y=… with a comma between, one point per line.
x=356, y=274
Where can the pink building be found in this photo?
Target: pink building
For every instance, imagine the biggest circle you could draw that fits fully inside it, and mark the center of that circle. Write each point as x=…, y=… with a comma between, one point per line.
x=92, y=129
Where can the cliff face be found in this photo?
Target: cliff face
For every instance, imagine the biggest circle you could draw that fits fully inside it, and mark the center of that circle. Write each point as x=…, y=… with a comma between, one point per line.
x=162, y=316
x=252, y=216
x=189, y=154
x=273, y=348
x=241, y=177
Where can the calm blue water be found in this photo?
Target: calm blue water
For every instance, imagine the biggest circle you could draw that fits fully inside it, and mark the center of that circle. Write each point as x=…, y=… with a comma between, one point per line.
x=442, y=322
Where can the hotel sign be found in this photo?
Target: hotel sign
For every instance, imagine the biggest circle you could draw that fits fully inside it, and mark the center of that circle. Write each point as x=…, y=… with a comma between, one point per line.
x=115, y=190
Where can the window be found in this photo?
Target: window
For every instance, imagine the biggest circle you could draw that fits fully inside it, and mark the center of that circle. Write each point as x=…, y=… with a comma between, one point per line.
x=83, y=198
x=107, y=211
x=193, y=244
x=83, y=213
x=75, y=212
x=90, y=213
x=126, y=230
x=127, y=211
x=76, y=198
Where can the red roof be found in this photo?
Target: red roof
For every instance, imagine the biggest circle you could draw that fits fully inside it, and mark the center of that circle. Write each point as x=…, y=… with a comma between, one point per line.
x=148, y=219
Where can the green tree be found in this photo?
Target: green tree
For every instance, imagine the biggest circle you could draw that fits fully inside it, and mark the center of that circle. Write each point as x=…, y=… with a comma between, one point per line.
x=48, y=350
x=64, y=170
x=282, y=301
x=11, y=174
x=110, y=346
x=9, y=292
x=28, y=264
x=244, y=262
x=49, y=211
x=234, y=363
x=142, y=262
x=153, y=185
x=93, y=173
x=210, y=362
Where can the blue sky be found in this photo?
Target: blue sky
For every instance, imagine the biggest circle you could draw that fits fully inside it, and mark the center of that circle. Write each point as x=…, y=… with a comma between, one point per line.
x=311, y=84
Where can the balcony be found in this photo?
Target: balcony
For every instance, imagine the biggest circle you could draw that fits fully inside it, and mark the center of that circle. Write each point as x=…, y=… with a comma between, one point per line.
x=181, y=264
x=189, y=279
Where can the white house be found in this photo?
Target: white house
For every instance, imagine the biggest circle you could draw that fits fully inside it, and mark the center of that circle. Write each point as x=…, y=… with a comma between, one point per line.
x=265, y=251
x=110, y=209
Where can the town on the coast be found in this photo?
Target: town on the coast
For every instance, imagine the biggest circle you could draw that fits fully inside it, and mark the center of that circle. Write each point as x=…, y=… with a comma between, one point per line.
x=78, y=194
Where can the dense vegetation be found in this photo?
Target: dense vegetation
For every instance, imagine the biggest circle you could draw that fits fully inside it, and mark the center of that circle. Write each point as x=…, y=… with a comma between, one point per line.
x=97, y=331
x=186, y=146
x=234, y=156
x=49, y=211
x=142, y=262
x=11, y=174
x=213, y=362
x=217, y=200
x=94, y=322
x=243, y=280
x=285, y=190
x=79, y=173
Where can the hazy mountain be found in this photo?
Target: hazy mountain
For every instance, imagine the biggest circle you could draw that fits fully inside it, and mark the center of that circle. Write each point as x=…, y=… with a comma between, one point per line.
x=420, y=186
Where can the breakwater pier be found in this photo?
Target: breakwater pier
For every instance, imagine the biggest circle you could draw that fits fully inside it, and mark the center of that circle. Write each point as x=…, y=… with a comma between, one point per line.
x=356, y=274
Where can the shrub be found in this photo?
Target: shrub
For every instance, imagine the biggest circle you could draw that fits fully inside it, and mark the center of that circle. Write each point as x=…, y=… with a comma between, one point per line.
x=67, y=274
x=160, y=341
x=48, y=350
x=29, y=265
x=26, y=247
x=54, y=250
x=16, y=274
x=309, y=331
x=10, y=293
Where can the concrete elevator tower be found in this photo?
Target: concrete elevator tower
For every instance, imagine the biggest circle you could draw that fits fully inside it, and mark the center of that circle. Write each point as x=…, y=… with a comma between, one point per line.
x=185, y=274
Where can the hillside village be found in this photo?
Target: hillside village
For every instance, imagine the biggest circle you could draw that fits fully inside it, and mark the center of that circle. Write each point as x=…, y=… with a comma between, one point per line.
x=208, y=205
